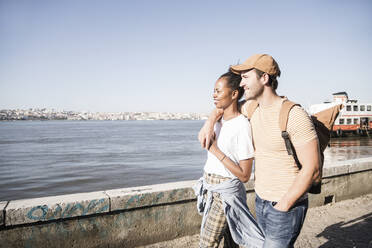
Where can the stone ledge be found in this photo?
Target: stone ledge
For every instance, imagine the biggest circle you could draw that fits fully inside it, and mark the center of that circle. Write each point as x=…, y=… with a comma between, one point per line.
x=362, y=165
x=336, y=170
x=128, y=198
x=135, y=197
x=55, y=207
x=2, y=210
x=348, y=166
x=66, y=206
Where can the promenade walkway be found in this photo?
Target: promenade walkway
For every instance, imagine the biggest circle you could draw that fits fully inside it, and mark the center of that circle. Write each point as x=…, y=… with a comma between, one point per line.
x=343, y=224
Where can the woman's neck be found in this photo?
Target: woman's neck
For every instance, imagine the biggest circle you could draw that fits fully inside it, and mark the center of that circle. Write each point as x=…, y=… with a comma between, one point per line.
x=231, y=112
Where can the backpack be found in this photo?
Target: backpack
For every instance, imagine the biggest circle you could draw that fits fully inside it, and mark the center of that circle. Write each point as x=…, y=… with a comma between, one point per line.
x=323, y=122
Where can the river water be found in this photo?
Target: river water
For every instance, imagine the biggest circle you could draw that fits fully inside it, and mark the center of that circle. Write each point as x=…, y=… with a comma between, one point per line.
x=44, y=158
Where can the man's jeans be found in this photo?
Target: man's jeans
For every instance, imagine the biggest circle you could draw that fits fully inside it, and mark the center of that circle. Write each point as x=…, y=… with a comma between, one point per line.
x=281, y=228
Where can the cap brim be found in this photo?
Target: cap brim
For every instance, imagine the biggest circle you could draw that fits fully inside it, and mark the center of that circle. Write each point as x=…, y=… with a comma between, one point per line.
x=237, y=69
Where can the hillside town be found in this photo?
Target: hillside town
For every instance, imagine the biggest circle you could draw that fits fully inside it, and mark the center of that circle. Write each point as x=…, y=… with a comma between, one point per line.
x=52, y=114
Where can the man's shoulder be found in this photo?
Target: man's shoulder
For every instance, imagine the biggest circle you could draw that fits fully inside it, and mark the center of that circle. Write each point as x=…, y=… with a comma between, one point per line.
x=300, y=126
x=248, y=108
x=298, y=113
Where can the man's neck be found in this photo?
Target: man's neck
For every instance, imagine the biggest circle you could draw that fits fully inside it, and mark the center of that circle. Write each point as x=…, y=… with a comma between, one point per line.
x=268, y=98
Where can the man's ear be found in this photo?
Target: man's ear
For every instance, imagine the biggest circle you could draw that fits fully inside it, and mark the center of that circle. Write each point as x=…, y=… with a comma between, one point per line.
x=265, y=78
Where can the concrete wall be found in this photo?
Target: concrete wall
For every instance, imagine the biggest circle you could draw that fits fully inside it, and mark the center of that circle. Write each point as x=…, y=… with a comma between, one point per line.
x=141, y=215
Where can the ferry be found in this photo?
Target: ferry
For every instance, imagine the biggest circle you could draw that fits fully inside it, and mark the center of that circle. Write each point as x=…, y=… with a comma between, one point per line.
x=354, y=117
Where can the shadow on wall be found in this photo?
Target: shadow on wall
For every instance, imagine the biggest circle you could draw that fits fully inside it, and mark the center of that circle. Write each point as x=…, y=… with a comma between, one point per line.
x=355, y=233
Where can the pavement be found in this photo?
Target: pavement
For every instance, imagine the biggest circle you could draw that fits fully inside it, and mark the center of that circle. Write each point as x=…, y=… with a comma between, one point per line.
x=346, y=223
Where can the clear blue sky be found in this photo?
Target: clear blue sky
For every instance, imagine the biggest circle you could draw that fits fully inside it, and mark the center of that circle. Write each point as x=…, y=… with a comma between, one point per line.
x=166, y=55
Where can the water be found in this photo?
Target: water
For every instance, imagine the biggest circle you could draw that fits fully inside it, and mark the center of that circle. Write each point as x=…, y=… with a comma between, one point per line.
x=342, y=149
x=59, y=157
x=43, y=158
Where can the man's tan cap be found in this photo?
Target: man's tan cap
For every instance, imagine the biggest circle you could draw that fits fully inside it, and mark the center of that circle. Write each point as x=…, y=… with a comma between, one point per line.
x=262, y=62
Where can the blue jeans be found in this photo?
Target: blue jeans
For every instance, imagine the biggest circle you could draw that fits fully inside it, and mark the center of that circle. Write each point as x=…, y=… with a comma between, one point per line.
x=281, y=228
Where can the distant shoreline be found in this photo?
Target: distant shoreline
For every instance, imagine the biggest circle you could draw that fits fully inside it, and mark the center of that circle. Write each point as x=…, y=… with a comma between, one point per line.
x=47, y=114
x=42, y=120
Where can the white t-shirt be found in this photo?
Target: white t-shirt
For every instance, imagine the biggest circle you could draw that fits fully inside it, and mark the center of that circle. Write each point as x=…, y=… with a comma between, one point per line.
x=234, y=139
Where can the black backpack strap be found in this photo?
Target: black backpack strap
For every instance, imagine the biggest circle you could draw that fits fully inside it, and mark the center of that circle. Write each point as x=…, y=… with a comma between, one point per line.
x=283, y=121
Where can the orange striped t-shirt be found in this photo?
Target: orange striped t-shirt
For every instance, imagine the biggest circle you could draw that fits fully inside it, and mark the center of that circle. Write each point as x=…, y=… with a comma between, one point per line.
x=275, y=170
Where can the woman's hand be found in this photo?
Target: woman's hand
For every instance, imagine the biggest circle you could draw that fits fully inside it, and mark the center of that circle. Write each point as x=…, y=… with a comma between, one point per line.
x=206, y=133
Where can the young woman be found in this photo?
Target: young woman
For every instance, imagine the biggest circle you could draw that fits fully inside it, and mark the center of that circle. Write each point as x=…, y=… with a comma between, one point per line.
x=229, y=157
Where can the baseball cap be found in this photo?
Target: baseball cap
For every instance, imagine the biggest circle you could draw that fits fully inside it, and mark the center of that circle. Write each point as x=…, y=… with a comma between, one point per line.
x=262, y=62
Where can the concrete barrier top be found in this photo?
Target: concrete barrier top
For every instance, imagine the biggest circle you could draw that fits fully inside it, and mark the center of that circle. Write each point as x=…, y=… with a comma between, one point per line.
x=127, y=198
x=25, y=211
x=348, y=166
x=2, y=210
x=55, y=207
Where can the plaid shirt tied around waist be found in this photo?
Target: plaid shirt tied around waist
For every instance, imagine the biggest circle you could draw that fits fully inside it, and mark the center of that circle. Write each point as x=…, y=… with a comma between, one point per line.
x=243, y=227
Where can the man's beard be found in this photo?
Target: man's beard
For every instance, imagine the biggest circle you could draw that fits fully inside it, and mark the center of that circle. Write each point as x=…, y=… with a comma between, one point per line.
x=253, y=94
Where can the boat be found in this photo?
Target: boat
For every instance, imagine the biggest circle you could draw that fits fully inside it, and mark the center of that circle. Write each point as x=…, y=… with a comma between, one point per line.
x=355, y=118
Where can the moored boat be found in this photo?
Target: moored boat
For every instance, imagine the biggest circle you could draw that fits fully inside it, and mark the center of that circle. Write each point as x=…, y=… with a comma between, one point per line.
x=354, y=118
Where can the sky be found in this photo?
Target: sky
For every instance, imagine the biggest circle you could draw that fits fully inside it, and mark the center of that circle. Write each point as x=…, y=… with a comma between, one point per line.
x=165, y=56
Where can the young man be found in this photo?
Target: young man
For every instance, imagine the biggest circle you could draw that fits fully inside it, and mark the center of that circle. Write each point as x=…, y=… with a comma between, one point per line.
x=281, y=188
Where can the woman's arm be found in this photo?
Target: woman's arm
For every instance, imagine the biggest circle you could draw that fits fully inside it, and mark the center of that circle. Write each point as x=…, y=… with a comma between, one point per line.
x=242, y=170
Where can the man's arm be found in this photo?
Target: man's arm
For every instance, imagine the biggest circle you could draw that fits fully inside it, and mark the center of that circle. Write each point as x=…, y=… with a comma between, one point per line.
x=308, y=155
x=206, y=133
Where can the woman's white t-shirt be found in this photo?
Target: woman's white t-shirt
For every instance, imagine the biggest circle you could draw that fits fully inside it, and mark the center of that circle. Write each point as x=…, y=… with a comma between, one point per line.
x=234, y=139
